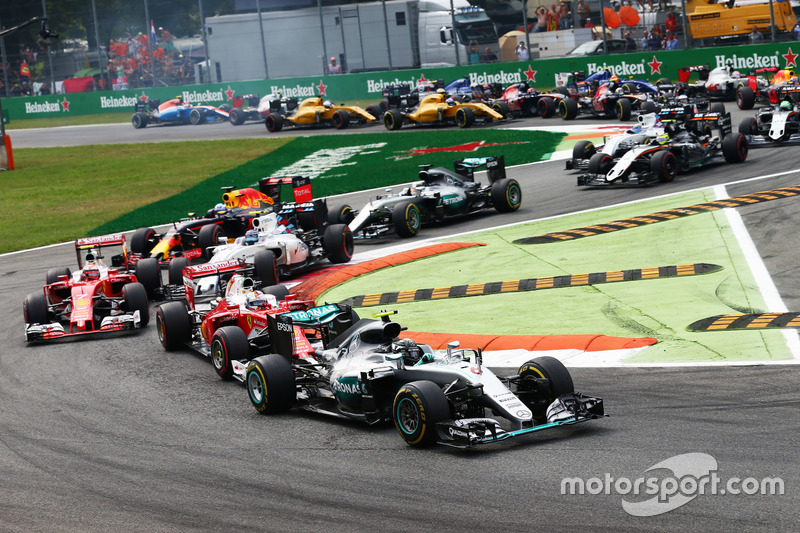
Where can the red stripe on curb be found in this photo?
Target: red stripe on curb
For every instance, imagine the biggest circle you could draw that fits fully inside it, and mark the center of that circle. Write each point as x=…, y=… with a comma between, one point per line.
x=588, y=343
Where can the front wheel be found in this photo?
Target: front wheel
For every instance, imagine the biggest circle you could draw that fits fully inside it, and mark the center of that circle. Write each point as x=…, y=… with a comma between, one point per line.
x=745, y=97
x=273, y=122
x=735, y=147
x=393, y=119
x=53, y=274
x=271, y=384
x=465, y=117
x=195, y=117
x=173, y=325
x=623, y=109
x=143, y=240
x=506, y=195
x=664, y=165
x=406, y=219
x=583, y=150
x=341, y=119
x=176, y=267
x=418, y=406
x=338, y=243
x=502, y=108
x=568, y=109
x=559, y=382
x=600, y=164
x=35, y=309
x=135, y=298
x=148, y=274
x=209, y=236
x=228, y=344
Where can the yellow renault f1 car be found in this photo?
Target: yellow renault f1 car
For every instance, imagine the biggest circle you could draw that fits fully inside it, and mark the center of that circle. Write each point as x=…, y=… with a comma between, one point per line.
x=316, y=112
x=441, y=109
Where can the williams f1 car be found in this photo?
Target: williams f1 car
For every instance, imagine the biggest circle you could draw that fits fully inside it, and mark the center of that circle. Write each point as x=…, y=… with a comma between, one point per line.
x=315, y=112
x=442, y=194
x=175, y=111
x=450, y=398
x=97, y=299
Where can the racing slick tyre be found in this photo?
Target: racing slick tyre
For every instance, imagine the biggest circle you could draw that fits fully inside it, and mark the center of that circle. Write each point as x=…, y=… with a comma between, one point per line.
x=340, y=119
x=648, y=106
x=209, y=236
x=139, y=120
x=663, y=81
x=745, y=97
x=236, y=116
x=338, y=243
x=465, y=117
x=600, y=163
x=175, y=270
x=554, y=371
x=384, y=106
x=173, y=325
x=342, y=214
x=229, y=343
x=143, y=240
x=53, y=274
x=226, y=108
x=502, y=108
x=273, y=122
x=279, y=291
x=35, y=308
x=135, y=298
x=341, y=323
x=375, y=111
x=266, y=267
x=418, y=406
x=568, y=109
x=623, y=109
x=308, y=220
x=506, y=195
x=149, y=275
x=406, y=219
x=393, y=119
x=735, y=147
x=748, y=126
x=195, y=116
x=716, y=107
x=560, y=89
x=664, y=165
x=271, y=384
x=583, y=150
x=546, y=107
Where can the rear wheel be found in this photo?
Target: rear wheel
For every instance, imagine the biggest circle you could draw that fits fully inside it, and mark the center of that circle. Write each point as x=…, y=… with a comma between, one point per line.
x=139, y=120
x=338, y=243
x=568, y=108
x=208, y=237
x=735, y=147
x=176, y=267
x=173, y=325
x=648, y=106
x=748, y=126
x=600, y=163
x=340, y=119
x=271, y=384
x=237, y=116
x=143, y=240
x=393, y=119
x=229, y=343
x=279, y=291
x=342, y=214
x=406, y=219
x=546, y=107
x=35, y=309
x=623, y=109
x=745, y=97
x=583, y=150
x=465, y=117
x=149, y=274
x=418, y=406
x=273, y=122
x=506, y=195
x=135, y=297
x=716, y=107
x=266, y=267
x=54, y=273
x=664, y=165
x=195, y=116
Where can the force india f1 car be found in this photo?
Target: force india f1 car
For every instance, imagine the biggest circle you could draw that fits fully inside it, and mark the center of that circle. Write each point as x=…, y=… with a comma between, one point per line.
x=245, y=321
x=681, y=148
x=370, y=374
x=175, y=111
x=316, y=112
x=442, y=194
x=95, y=300
x=778, y=124
x=441, y=109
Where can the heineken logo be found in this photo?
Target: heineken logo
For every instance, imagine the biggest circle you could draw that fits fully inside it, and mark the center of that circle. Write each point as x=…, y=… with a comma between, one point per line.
x=195, y=97
x=296, y=91
x=747, y=62
x=121, y=101
x=622, y=68
x=32, y=108
x=502, y=77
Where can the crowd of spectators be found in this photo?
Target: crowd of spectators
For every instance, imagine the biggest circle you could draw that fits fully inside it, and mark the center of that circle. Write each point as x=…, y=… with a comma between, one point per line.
x=136, y=62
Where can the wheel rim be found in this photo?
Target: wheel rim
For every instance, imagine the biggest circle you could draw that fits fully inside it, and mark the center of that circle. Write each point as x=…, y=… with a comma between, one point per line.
x=255, y=388
x=162, y=334
x=513, y=195
x=218, y=355
x=413, y=218
x=407, y=416
x=461, y=117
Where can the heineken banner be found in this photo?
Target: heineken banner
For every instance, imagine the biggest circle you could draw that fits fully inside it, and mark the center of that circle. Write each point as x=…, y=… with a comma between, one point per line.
x=366, y=87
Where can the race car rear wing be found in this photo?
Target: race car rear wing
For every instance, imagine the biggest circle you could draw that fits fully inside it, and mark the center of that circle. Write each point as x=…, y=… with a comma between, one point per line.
x=722, y=121
x=92, y=245
x=301, y=188
x=685, y=72
x=495, y=167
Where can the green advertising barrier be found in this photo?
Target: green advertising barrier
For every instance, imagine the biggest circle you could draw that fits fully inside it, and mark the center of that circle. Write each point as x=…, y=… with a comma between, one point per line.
x=366, y=87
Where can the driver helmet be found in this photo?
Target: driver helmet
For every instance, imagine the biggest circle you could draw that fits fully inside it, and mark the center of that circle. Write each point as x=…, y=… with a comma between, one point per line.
x=90, y=258
x=793, y=80
x=220, y=209
x=440, y=91
x=91, y=273
x=327, y=104
x=786, y=105
x=662, y=138
x=614, y=78
x=408, y=348
x=250, y=237
x=636, y=129
x=682, y=98
x=450, y=101
x=736, y=74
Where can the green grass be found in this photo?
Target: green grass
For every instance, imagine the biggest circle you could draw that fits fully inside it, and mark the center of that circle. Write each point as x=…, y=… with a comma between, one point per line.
x=79, y=120
x=59, y=194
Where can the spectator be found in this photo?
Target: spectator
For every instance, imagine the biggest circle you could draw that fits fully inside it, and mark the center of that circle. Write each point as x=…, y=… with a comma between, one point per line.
x=671, y=24
x=44, y=90
x=671, y=41
x=654, y=42
x=563, y=16
x=522, y=52
x=489, y=56
x=541, y=19
x=630, y=44
x=16, y=90
x=166, y=39
x=474, y=55
x=26, y=88
x=552, y=18
x=583, y=10
x=589, y=24
x=643, y=42
x=755, y=36
x=333, y=67
x=796, y=30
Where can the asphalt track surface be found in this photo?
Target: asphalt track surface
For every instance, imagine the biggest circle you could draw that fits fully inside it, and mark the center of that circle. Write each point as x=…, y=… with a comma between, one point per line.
x=117, y=435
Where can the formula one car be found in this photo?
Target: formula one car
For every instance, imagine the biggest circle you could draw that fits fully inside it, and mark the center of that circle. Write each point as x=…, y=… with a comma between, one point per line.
x=175, y=111
x=449, y=398
x=244, y=322
x=403, y=96
x=682, y=147
x=611, y=99
x=292, y=239
x=97, y=299
x=778, y=124
x=249, y=107
x=782, y=86
x=442, y=194
x=441, y=109
x=316, y=112
x=192, y=237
